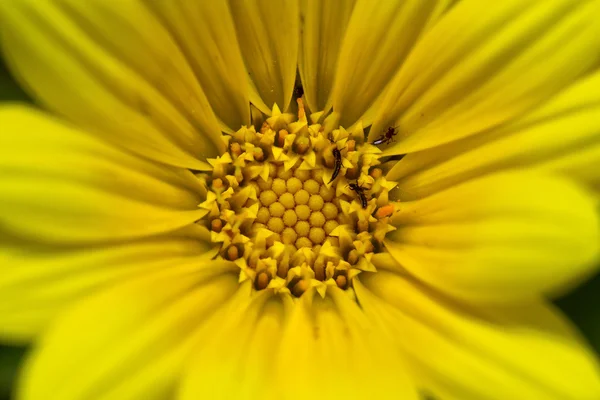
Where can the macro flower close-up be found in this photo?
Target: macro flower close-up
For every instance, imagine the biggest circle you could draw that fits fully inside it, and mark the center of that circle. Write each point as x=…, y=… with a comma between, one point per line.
x=299, y=199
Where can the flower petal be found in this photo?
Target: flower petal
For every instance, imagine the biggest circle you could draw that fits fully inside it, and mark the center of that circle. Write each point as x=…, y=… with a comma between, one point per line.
x=500, y=238
x=205, y=33
x=62, y=185
x=272, y=348
x=234, y=359
x=460, y=351
x=486, y=64
x=37, y=282
x=378, y=39
x=116, y=71
x=323, y=28
x=268, y=33
x=562, y=136
x=129, y=341
x=330, y=351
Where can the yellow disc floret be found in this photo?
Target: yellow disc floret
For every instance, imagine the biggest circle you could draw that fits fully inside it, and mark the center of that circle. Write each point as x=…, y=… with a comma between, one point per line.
x=267, y=198
x=303, y=212
x=287, y=200
x=330, y=211
x=275, y=224
x=283, y=174
x=279, y=186
x=328, y=194
x=330, y=226
x=303, y=242
x=316, y=235
x=289, y=236
x=263, y=215
x=316, y=219
x=276, y=209
x=311, y=186
x=290, y=218
x=302, y=174
x=315, y=202
x=302, y=228
x=301, y=197
x=293, y=185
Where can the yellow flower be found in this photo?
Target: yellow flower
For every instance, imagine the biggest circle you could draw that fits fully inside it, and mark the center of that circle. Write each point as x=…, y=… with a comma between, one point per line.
x=189, y=224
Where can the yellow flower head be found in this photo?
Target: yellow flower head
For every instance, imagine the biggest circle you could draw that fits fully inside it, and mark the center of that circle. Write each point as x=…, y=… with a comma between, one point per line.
x=299, y=199
x=298, y=205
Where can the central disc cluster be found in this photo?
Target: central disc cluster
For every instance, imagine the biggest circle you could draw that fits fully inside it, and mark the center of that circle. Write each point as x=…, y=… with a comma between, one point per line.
x=297, y=205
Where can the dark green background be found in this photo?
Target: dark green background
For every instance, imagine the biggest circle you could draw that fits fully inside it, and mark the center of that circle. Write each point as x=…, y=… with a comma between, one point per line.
x=583, y=306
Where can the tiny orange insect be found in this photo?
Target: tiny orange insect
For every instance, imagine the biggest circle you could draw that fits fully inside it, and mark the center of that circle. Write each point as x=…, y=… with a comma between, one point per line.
x=385, y=211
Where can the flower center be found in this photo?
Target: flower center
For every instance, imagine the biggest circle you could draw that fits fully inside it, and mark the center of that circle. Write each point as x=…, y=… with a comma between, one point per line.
x=298, y=205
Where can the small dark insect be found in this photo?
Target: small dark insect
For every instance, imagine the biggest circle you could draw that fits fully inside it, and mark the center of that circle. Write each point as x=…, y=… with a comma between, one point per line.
x=360, y=191
x=338, y=162
x=387, y=137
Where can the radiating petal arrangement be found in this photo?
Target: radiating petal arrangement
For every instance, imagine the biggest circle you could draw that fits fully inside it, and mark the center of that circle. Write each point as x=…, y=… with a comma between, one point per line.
x=299, y=199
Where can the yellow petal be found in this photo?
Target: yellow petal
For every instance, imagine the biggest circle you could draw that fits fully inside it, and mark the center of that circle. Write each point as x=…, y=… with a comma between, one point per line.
x=500, y=238
x=268, y=33
x=562, y=136
x=130, y=340
x=60, y=184
x=234, y=359
x=205, y=33
x=485, y=64
x=37, y=282
x=460, y=351
x=330, y=351
x=323, y=29
x=380, y=35
x=116, y=71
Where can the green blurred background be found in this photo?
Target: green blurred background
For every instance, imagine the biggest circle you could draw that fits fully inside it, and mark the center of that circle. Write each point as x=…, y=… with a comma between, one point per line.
x=583, y=305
